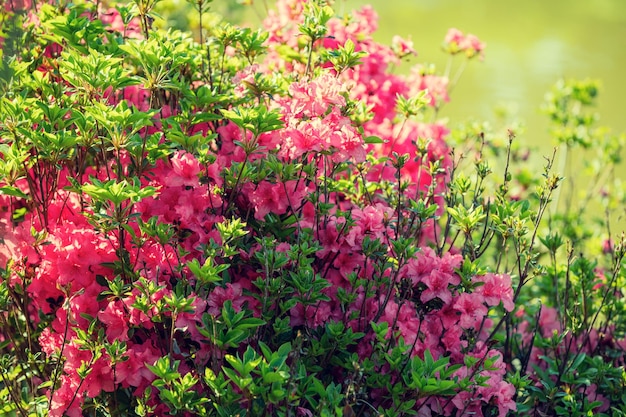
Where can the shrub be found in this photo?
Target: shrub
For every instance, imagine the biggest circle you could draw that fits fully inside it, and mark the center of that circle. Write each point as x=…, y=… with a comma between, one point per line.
x=271, y=222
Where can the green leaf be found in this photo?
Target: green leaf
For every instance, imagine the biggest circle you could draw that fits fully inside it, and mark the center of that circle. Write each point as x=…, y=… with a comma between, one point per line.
x=373, y=139
x=13, y=191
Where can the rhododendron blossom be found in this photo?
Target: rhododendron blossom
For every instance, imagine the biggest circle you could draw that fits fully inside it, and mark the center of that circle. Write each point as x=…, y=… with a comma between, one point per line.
x=497, y=288
x=471, y=309
x=456, y=41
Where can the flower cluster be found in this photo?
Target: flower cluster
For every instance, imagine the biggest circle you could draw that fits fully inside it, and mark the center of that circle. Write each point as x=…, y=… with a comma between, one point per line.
x=263, y=236
x=456, y=41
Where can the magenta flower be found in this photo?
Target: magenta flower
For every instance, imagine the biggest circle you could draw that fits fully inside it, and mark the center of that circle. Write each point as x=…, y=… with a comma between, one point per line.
x=219, y=296
x=268, y=198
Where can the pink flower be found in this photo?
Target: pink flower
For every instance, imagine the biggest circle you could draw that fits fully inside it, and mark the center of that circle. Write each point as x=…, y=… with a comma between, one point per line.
x=268, y=198
x=549, y=321
x=330, y=237
x=421, y=265
x=500, y=394
x=466, y=401
x=454, y=36
x=83, y=304
x=448, y=316
x=232, y=153
x=404, y=319
x=452, y=339
x=115, y=318
x=137, y=317
x=374, y=218
x=18, y=5
x=313, y=316
x=188, y=321
x=309, y=99
x=471, y=308
x=348, y=262
x=100, y=378
x=303, y=138
x=473, y=46
x=137, y=96
x=437, y=287
x=591, y=392
x=365, y=21
x=113, y=21
x=133, y=371
x=219, y=296
x=402, y=47
x=435, y=272
x=497, y=288
x=436, y=86
x=185, y=170
x=63, y=402
x=245, y=78
x=455, y=41
x=345, y=141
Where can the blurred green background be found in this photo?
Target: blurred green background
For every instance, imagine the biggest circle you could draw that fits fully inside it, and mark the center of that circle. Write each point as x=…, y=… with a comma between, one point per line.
x=530, y=45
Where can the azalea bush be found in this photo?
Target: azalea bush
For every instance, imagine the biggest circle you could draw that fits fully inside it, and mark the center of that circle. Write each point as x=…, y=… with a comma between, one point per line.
x=273, y=222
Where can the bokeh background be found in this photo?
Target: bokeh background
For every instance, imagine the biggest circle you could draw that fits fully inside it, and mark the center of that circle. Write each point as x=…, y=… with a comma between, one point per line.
x=530, y=45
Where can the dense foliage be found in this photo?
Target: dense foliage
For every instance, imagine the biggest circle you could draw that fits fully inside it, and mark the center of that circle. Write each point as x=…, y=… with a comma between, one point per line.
x=272, y=222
